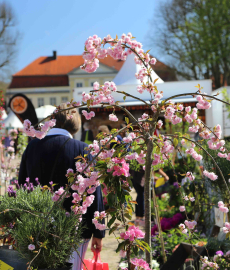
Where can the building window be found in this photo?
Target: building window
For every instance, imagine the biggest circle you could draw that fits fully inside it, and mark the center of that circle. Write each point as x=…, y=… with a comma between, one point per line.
x=79, y=84
x=53, y=101
x=64, y=99
x=91, y=83
x=40, y=102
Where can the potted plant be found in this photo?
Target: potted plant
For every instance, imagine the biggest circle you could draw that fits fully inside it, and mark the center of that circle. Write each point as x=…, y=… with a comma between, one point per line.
x=23, y=213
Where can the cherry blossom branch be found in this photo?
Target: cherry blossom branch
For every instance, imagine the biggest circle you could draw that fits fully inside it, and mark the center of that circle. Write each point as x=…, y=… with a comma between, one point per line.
x=129, y=114
x=62, y=196
x=195, y=94
x=34, y=258
x=176, y=136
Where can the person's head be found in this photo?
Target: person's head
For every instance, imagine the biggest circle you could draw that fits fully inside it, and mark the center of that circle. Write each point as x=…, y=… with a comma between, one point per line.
x=86, y=125
x=72, y=123
x=103, y=129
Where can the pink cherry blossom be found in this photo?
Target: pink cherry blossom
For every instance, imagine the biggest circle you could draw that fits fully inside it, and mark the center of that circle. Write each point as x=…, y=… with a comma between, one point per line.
x=140, y=264
x=210, y=175
x=182, y=208
x=190, y=224
x=87, y=115
x=113, y=117
x=132, y=233
x=31, y=247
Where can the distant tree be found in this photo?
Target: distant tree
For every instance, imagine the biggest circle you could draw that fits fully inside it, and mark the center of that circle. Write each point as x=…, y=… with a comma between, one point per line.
x=195, y=36
x=9, y=36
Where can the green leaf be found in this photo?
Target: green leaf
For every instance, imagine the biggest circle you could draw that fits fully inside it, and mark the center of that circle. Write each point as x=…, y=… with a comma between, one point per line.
x=135, y=250
x=121, y=246
x=113, y=229
x=127, y=120
x=124, y=98
x=128, y=216
x=111, y=221
x=175, y=142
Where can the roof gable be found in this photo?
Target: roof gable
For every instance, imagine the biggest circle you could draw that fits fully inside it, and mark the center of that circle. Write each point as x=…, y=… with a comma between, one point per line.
x=62, y=65
x=101, y=69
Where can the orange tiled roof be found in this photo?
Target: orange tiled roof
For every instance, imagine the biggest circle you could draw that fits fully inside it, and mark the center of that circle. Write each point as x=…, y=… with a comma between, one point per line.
x=62, y=65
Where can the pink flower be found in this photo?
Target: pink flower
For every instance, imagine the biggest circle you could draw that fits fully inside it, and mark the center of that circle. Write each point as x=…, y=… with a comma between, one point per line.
x=153, y=61
x=140, y=264
x=123, y=253
x=87, y=115
x=210, y=175
x=182, y=208
x=57, y=194
x=31, y=247
x=96, y=86
x=132, y=233
x=190, y=224
x=113, y=117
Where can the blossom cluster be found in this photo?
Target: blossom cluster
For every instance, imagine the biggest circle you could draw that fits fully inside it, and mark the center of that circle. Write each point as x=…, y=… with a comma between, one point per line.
x=140, y=264
x=226, y=228
x=119, y=167
x=99, y=216
x=210, y=175
x=29, y=130
x=222, y=207
x=206, y=264
x=189, y=224
x=132, y=233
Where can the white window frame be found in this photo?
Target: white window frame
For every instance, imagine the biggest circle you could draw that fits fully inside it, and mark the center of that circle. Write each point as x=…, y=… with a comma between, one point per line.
x=64, y=99
x=55, y=103
x=39, y=101
x=79, y=81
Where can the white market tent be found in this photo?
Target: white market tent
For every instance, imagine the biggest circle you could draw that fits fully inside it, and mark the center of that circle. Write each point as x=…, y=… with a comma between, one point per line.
x=12, y=121
x=126, y=75
x=44, y=111
x=126, y=81
x=4, y=115
x=218, y=113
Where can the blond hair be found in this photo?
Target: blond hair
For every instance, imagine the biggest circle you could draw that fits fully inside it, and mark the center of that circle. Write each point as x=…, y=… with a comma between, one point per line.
x=68, y=119
x=104, y=129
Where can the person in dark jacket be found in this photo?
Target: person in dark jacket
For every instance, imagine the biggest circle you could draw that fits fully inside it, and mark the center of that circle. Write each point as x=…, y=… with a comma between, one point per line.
x=49, y=159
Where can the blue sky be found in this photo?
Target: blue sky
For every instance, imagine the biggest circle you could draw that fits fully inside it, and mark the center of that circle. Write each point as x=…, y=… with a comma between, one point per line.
x=64, y=25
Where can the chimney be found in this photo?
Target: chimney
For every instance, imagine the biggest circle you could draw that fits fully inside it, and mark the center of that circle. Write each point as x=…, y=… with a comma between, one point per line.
x=54, y=55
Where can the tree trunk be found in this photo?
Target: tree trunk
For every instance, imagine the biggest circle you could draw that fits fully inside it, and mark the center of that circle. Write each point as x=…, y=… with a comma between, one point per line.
x=147, y=196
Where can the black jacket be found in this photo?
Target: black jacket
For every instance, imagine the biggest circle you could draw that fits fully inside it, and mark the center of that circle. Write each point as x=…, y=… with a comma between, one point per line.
x=38, y=161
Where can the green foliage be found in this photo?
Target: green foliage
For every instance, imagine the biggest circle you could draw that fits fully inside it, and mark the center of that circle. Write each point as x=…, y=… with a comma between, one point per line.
x=54, y=251
x=227, y=99
x=22, y=143
x=194, y=35
x=214, y=245
x=171, y=239
x=165, y=210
